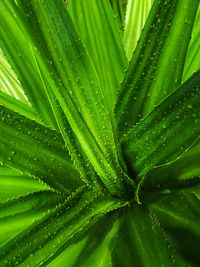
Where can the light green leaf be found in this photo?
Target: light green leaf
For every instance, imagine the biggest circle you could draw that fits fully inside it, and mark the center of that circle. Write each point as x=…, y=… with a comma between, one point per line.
x=157, y=65
x=8, y=80
x=142, y=242
x=57, y=47
x=36, y=150
x=136, y=16
x=18, y=53
x=192, y=63
x=187, y=166
x=99, y=32
x=156, y=140
x=21, y=212
x=44, y=238
x=18, y=106
x=182, y=224
x=13, y=184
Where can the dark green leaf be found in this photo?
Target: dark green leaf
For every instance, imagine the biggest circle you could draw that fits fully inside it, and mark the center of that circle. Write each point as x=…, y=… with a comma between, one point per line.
x=40, y=241
x=156, y=140
x=21, y=212
x=187, y=166
x=157, y=65
x=142, y=242
x=119, y=9
x=36, y=150
x=179, y=213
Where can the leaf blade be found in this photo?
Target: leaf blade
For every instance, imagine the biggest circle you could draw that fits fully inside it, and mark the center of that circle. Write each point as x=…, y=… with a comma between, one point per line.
x=36, y=150
x=145, y=83
x=176, y=115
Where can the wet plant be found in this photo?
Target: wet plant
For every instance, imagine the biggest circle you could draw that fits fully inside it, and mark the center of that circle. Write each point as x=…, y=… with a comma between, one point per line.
x=99, y=128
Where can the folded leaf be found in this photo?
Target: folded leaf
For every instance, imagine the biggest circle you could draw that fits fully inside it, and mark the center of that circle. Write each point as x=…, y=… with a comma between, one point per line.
x=36, y=150
x=192, y=63
x=187, y=166
x=142, y=242
x=179, y=214
x=136, y=14
x=13, y=184
x=99, y=32
x=76, y=89
x=18, y=53
x=156, y=140
x=21, y=212
x=44, y=238
x=157, y=65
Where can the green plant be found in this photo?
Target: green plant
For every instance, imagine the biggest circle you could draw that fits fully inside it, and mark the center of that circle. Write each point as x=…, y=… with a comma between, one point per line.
x=99, y=133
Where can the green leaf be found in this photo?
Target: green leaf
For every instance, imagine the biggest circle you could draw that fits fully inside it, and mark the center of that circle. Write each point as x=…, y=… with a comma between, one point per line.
x=192, y=63
x=157, y=65
x=44, y=238
x=13, y=184
x=18, y=53
x=142, y=242
x=8, y=80
x=92, y=248
x=68, y=75
x=36, y=150
x=156, y=140
x=179, y=214
x=136, y=15
x=185, y=167
x=18, y=106
x=20, y=213
x=119, y=9
x=99, y=32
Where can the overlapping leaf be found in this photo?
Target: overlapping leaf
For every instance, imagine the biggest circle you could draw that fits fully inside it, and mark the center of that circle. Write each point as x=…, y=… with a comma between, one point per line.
x=157, y=65
x=14, y=184
x=156, y=140
x=48, y=235
x=68, y=74
x=21, y=212
x=36, y=150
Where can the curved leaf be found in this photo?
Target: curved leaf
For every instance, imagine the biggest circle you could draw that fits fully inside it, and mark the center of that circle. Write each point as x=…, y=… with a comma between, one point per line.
x=187, y=166
x=13, y=184
x=20, y=213
x=157, y=65
x=68, y=75
x=36, y=150
x=156, y=140
x=51, y=233
x=18, y=106
x=179, y=214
